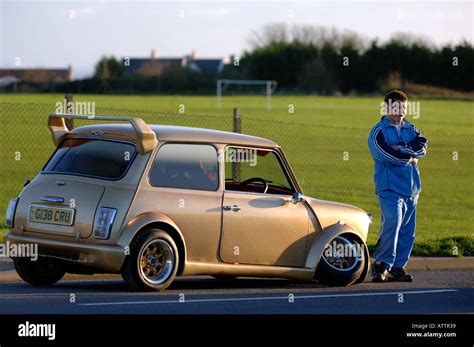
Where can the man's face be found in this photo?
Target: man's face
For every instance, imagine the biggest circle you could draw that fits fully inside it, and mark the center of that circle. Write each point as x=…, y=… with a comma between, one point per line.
x=397, y=110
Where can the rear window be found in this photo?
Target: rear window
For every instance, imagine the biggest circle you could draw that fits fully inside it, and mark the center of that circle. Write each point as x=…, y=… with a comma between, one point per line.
x=92, y=157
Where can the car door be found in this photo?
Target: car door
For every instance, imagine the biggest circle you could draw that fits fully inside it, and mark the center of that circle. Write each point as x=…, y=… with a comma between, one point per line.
x=261, y=228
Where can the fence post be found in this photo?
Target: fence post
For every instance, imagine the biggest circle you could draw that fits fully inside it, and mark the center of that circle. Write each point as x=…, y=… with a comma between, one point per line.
x=69, y=122
x=237, y=128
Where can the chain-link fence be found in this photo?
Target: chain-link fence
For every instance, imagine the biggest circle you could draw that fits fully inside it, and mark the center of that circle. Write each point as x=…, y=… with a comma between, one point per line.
x=331, y=163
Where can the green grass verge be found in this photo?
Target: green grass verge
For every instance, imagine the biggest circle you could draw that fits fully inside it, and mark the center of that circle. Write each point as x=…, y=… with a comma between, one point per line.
x=448, y=247
x=315, y=138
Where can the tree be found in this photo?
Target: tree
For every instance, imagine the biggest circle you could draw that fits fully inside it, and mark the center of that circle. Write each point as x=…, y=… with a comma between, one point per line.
x=315, y=76
x=109, y=67
x=280, y=61
x=325, y=59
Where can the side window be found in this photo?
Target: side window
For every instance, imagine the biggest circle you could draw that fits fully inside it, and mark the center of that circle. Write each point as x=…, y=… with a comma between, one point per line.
x=255, y=170
x=188, y=166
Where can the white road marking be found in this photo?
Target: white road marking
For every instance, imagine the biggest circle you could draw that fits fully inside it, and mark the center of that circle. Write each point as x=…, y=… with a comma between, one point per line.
x=296, y=297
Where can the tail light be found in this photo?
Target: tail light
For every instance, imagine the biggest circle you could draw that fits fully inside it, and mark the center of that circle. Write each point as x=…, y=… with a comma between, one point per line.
x=10, y=215
x=103, y=222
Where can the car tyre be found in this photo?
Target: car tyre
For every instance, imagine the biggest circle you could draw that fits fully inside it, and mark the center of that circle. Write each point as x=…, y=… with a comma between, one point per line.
x=334, y=271
x=153, y=261
x=44, y=271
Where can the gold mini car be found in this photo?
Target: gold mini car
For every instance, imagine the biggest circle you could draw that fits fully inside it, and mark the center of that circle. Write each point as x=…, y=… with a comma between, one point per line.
x=155, y=202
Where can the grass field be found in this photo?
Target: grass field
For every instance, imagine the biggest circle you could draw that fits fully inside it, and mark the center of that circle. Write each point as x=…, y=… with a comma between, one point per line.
x=318, y=137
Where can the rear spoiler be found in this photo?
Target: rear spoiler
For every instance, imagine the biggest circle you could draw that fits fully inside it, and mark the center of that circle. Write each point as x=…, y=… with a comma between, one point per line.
x=145, y=137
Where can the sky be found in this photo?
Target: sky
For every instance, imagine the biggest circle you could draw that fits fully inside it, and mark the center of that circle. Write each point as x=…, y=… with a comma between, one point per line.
x=78, y=33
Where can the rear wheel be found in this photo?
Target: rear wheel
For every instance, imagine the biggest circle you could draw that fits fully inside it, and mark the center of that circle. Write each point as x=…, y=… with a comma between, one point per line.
x=153, y=261
x=44, y=271
x=342, y=262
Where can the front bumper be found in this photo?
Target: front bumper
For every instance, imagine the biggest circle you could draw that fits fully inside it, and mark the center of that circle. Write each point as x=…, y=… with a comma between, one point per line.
x=106, y=258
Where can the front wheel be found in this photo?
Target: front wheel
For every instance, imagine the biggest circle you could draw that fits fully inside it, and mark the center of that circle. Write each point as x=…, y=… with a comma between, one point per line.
x=44, y=271
x=153, y=261
x=342, y=262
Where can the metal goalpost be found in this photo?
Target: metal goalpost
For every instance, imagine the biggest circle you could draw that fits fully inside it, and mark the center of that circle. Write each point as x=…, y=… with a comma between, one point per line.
x=270, y=87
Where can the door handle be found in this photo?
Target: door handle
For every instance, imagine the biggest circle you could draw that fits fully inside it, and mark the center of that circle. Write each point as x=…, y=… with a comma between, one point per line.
x=231, y=208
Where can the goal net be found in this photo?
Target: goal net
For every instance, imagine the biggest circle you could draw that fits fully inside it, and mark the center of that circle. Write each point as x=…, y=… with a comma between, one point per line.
x=269, y=85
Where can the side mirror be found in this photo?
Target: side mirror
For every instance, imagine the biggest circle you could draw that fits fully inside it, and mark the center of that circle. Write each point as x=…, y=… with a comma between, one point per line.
x=297, y=197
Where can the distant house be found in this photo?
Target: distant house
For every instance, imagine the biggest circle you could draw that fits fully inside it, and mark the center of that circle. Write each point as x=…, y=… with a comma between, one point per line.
x=205, y=64
x=37, y=75
x=7, y=80
x=154, y=66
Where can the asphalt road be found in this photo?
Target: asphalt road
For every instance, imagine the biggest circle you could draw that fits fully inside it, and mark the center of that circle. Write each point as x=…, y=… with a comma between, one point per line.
x=433, y=292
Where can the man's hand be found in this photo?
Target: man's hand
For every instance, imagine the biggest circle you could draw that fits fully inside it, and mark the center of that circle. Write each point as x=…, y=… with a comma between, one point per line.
x=412, y=160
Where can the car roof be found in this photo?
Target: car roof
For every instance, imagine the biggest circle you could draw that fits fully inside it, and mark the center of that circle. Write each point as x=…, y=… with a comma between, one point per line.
x=166, y=133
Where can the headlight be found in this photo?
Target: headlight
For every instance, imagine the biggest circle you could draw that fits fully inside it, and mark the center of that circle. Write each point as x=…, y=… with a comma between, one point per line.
x=103, y=222
x=10, y=215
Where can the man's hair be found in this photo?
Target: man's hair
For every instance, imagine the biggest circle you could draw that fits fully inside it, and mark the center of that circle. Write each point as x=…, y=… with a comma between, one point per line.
x=395, y=95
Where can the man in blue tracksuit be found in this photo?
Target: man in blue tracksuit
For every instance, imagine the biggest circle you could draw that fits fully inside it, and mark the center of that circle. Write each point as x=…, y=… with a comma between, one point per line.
x=396, y=145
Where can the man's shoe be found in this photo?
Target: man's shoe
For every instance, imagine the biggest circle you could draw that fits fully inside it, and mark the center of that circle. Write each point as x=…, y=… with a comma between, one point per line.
x=399, y=274
x=380, y=272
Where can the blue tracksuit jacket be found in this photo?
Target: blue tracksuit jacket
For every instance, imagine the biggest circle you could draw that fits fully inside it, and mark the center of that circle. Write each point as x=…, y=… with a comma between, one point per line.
x=392, y=170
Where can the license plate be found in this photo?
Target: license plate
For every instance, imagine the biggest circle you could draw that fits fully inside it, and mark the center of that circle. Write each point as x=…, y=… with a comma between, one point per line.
x=51, y=215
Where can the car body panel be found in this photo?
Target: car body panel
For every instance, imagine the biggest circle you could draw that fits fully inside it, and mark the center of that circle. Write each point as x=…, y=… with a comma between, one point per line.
x=319, y=242
x=196, y=214
x=247, y=233
x=172, y=133
x=85, y=194
x=144, y=137
x=102, y=257
x=275, y=237
x=82, y=197
x=330, y=213
x=144, y=220
x=216, y=269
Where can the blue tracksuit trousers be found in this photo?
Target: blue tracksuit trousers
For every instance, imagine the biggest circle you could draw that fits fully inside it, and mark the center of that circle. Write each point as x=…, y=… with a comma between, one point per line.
x=397, y=232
